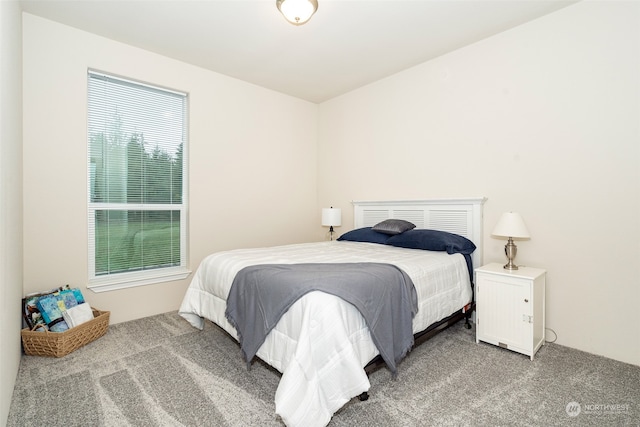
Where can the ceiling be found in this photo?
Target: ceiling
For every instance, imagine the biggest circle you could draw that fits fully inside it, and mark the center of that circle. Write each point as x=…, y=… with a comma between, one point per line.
x=346, y=44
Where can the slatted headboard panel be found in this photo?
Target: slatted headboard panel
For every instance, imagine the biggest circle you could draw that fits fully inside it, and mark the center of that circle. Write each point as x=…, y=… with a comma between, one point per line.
x=459, y=216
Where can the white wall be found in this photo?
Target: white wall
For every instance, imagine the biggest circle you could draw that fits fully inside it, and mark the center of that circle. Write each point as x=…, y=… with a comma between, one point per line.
x=544, y=120
x=252, y=162
x=10, y=199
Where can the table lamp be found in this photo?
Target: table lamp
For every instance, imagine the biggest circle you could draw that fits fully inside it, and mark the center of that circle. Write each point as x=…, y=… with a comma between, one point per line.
x=331, y=217
x=511, y=225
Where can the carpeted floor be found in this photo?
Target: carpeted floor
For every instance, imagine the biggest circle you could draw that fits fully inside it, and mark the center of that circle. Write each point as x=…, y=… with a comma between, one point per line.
x=159, y=371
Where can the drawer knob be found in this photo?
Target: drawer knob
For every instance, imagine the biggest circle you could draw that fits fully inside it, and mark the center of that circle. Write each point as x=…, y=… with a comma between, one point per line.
x=526, y=300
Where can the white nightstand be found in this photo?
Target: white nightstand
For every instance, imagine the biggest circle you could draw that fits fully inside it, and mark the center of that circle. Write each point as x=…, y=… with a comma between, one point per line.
x=510, y=307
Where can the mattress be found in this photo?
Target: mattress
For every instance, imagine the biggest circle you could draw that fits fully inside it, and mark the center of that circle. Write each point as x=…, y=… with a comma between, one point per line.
x=322, y=343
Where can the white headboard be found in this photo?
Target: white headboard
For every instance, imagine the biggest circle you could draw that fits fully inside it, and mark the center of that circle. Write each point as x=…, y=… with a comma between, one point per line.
x=459, y=216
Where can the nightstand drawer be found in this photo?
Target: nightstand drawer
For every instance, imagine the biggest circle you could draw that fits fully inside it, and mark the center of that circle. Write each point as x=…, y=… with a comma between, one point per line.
x=500, y=280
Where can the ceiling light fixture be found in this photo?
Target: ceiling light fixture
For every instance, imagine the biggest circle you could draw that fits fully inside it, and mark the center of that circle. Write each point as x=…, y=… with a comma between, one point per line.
x=297, y=11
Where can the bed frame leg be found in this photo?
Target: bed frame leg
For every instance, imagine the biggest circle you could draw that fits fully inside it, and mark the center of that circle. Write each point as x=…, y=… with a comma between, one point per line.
x=467, y=315
x=364, y=396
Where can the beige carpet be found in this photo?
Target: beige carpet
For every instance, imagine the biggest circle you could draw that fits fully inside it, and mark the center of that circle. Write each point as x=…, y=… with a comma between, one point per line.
x=159, y=371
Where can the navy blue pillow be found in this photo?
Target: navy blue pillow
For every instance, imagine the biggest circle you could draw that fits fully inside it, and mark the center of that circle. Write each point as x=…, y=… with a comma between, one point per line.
x=365, y=234
x=433, y=240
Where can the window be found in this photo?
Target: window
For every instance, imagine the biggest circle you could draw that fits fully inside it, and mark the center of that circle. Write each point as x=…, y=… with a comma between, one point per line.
x=137, y=206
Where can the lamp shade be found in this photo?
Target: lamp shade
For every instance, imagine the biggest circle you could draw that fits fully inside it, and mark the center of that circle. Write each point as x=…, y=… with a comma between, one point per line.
x=297, y=12
x=511, y=224
x=331, y=216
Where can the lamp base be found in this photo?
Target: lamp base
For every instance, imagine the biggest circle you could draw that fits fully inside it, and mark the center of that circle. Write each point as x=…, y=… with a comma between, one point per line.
x=510, y=266
x=510, y=250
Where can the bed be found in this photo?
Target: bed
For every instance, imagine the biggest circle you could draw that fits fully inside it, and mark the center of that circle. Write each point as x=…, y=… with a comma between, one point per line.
x=322, y=345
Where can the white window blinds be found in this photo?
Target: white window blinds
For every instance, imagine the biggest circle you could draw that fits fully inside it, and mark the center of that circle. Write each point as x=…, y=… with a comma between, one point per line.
x=136, y=191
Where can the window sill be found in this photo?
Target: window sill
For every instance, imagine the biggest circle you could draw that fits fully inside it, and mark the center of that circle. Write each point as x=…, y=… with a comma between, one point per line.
x=131, y=280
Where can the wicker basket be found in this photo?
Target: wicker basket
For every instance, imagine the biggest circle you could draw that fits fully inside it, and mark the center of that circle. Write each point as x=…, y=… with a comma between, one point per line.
x=59, y=344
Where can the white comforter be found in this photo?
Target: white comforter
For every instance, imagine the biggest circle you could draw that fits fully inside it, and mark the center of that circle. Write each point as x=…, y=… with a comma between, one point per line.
x=322, y=343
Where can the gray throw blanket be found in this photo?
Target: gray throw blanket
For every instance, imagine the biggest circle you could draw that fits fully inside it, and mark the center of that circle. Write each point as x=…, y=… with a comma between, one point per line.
x=384, y=294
